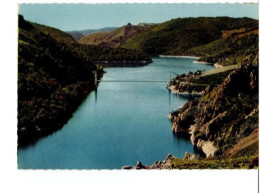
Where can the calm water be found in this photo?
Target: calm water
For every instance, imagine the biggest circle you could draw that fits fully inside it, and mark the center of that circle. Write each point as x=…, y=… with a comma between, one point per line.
x=119, y=124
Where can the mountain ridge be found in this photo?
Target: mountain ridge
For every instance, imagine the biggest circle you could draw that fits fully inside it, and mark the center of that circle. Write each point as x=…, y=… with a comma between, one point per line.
x=177, y=36
x=116, y=37
x=77, y=34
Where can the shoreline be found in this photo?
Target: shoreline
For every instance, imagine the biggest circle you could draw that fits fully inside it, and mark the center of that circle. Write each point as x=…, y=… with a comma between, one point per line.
x=191, y=57
x=24, y=142
x=186, y=93
x=178, y=56
x=202, y=62
x=123, y=63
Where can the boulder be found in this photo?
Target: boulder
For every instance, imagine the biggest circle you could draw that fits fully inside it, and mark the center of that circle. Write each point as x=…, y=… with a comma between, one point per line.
x=189, y=156
x=139, y=166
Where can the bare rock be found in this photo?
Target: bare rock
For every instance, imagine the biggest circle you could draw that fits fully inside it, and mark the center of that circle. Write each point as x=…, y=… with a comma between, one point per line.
x=139, y=166
x=127, y=167
x=189, y=156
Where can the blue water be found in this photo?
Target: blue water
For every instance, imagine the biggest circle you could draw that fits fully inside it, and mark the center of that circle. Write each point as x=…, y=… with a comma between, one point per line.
x=119, y=124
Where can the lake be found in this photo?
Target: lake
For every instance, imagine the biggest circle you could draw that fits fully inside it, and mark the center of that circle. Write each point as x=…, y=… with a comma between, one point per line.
x=118, y=124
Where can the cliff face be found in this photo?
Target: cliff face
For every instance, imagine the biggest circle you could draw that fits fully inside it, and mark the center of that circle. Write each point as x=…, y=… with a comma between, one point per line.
x=221, y=118
x=223, y=124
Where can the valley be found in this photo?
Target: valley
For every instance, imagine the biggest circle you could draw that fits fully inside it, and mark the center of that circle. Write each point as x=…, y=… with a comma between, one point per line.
x=217, y=108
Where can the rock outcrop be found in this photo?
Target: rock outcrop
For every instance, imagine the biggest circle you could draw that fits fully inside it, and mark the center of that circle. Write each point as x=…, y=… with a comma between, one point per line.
x=114, y=38
x=220, y=118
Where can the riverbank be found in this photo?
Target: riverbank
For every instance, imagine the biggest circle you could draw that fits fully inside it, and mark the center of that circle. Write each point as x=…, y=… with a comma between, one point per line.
x=192, y=161
x=185, y=85
x=214, y=129
x=71, y=95
x=132, y=125
x=178, y=56
x=174, y=90
x=197, y=61
x=212, y=120
x=107, y=64
x=201, y=62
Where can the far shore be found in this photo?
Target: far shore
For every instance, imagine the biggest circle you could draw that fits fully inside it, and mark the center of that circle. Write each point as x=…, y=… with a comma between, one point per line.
x=123, y=63
x=178, y=56
x=201, y=62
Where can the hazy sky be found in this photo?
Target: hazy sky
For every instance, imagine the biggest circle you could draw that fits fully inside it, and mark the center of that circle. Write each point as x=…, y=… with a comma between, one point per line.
x=69, y=17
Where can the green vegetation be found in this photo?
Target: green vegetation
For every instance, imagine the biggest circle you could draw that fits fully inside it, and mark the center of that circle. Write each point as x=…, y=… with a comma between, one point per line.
x=52, y=81
x=96, y=53
x=177, y=36
x=227, y=114
x=195, y=83
x=216, y=163
x=54, y=76
x=116, y=37
x=214, y=79
x=229, y=51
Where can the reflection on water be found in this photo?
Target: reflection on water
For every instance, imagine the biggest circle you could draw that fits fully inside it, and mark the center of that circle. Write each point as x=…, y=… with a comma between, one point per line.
x=181, y=136
x=96, y=97
x=118, y=124
x=170, y=100
x=186, y=96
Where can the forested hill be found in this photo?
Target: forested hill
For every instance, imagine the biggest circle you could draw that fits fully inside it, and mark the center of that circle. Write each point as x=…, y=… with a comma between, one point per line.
x=116, y=37
x=52, y=80
x=54, y=75
x=178, y=36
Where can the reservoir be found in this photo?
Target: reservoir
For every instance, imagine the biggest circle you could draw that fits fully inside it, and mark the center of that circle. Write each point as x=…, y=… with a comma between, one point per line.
x=118, y=124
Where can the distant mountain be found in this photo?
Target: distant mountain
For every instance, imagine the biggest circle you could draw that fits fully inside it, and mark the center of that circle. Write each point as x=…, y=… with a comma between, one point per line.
x=80, y=33
x=177, y=36
x=116, y=37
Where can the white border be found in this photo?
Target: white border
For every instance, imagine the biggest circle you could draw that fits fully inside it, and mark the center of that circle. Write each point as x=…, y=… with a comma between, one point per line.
x=13, y=180
x=137, y=1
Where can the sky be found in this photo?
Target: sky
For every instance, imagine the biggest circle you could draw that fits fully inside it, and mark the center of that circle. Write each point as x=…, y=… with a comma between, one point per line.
x=69, y=17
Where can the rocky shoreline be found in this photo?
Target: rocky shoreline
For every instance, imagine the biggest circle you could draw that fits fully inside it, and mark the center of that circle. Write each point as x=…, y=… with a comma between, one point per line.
x=165, y=164
x=174, y=90
x=183, y=85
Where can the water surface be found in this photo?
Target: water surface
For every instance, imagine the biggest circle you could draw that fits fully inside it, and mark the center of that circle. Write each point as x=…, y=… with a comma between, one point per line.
x=119, y=124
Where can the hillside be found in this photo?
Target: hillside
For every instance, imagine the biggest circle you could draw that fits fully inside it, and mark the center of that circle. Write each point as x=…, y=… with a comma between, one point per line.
x=54, y=76
x=225, y=117
x=80, y=33
x=178, y=36
x=234, y=49
x=54, y=33
x=52, y=80
x=116, y=37
x=222, y=124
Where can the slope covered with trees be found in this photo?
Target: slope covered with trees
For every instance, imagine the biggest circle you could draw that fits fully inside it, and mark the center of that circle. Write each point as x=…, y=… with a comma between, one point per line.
x=177, y=36
x=236, y=49
x=52, y=80
x=54, y=76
